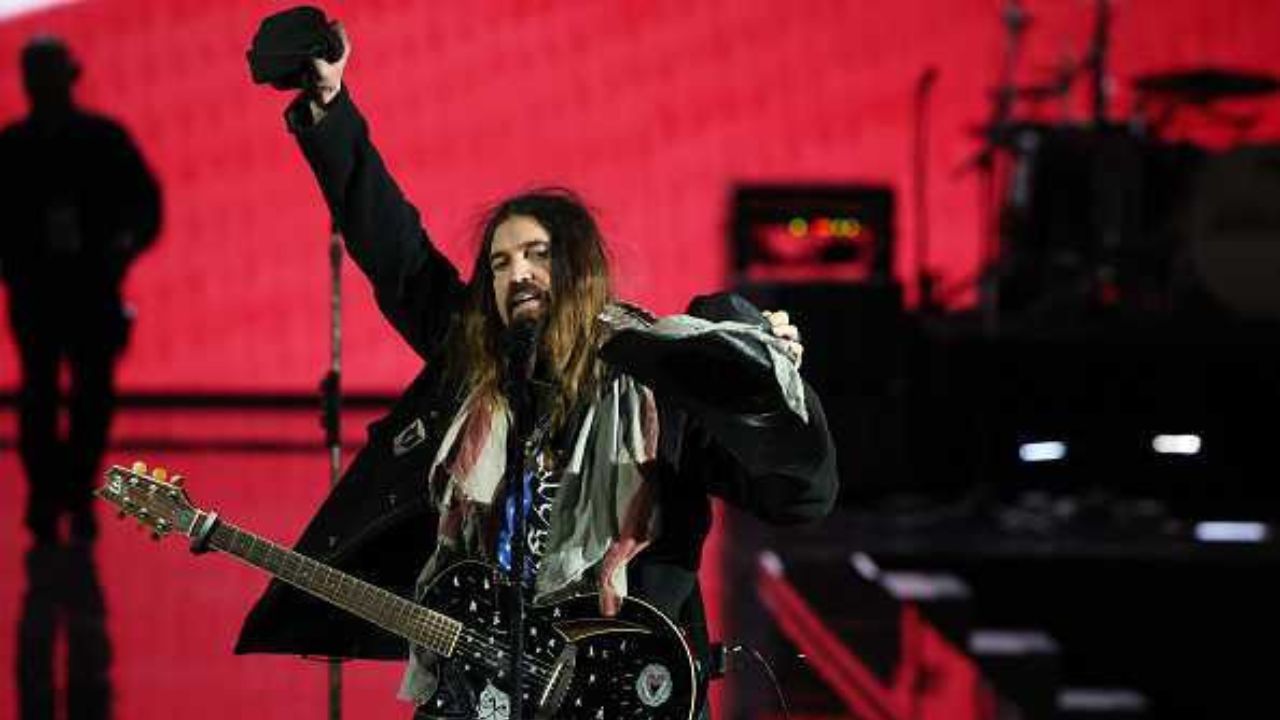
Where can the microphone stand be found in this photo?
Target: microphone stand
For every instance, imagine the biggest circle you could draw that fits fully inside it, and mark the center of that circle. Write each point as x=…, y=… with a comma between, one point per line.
x=331, y=419
x=519, y=398
x=1099, y=51
x=1015, y=19
x=926, y=281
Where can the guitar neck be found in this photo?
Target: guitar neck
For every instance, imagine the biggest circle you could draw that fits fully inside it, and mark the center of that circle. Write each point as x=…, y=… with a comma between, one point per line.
x=437, y=632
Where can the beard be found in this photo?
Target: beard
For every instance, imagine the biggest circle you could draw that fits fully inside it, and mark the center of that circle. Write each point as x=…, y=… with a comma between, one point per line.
x=528, y=302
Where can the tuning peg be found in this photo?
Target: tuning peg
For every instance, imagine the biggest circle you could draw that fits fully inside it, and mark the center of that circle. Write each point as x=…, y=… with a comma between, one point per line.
x=139, y=467
x=159, y=474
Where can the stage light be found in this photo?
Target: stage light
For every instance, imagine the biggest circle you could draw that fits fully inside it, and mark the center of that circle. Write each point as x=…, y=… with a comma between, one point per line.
x=1176, y=444
x=843, y=227
x=1045, y=451
x=865, y=566
x=822, y=228
x=1231, y=531
x=771, y=563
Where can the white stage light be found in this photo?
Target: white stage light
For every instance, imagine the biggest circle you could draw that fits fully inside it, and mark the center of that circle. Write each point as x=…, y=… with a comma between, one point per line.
x=1046, y=451
x=1176, y=444
x=865, y=566
x=1228, y=531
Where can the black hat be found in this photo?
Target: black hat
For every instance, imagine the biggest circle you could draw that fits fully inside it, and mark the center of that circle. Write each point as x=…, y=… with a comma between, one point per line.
x=287, y=42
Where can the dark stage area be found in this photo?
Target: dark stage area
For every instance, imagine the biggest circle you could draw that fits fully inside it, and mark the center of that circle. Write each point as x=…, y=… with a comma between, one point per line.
x=1184, y=626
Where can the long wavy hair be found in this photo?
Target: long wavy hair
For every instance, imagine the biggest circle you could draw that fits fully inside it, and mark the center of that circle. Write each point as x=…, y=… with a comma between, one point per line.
x=580, y=289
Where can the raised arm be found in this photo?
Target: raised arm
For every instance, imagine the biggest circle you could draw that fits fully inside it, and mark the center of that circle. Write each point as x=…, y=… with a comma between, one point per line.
x=417, y=288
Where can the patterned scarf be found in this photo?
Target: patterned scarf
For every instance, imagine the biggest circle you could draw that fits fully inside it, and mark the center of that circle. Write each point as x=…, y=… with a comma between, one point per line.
x=602, y=516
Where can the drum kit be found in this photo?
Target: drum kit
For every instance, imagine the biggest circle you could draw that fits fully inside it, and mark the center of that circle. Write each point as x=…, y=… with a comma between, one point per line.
x=1112, y=214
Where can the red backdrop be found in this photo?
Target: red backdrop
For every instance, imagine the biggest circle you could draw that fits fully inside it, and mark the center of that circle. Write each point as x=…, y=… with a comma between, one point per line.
x=651, y=109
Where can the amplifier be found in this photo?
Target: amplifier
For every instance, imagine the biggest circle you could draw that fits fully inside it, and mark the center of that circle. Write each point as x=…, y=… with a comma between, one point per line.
x=808, y=233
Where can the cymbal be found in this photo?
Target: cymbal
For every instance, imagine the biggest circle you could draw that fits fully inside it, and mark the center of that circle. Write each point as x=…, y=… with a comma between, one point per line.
x=1206, y=84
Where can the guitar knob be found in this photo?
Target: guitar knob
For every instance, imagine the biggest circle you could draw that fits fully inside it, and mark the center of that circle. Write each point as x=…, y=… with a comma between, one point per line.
x=139, y=467
x=160, y=474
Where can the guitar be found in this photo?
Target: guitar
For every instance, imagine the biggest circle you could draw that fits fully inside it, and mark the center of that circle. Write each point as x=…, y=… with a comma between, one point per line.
x=577, y=664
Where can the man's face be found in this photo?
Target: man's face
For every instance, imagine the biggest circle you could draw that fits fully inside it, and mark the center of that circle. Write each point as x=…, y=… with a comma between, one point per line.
x=520, y=258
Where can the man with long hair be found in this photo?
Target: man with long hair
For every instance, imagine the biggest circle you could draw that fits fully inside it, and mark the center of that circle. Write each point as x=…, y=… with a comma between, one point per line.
x=638, y=420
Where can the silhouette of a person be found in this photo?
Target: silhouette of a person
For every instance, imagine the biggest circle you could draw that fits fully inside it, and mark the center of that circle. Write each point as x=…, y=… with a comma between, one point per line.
x=78, y=205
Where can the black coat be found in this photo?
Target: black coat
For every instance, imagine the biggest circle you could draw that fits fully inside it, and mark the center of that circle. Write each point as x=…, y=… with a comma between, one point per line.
x=378, y=523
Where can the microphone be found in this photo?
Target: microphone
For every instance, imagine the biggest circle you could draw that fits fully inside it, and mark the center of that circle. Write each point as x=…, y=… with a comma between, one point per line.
x=520, y=350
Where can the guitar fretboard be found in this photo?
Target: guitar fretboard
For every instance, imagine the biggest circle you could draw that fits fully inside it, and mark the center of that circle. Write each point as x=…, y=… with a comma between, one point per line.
x=389, y=611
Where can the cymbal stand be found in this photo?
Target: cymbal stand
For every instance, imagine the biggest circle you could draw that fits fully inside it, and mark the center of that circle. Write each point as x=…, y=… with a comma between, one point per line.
x=1096, y=62
x=1015, y=19
x=926, y=279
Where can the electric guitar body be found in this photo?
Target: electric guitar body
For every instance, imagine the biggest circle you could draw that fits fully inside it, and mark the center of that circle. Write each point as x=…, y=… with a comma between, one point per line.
x=578, y=664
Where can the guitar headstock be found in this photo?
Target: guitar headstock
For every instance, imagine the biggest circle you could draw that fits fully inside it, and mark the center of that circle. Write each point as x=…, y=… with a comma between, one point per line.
x=157, y=501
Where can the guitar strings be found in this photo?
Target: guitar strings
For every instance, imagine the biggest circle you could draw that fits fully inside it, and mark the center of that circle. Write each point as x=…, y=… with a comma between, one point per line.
x=273, y=556
x=479, y=646
x=483, y=649
x=493, y=652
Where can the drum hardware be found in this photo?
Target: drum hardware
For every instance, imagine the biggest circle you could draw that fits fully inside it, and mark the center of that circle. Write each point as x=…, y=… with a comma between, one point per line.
x=1204, y=85
x=1232, y=249
x=1108, y=214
